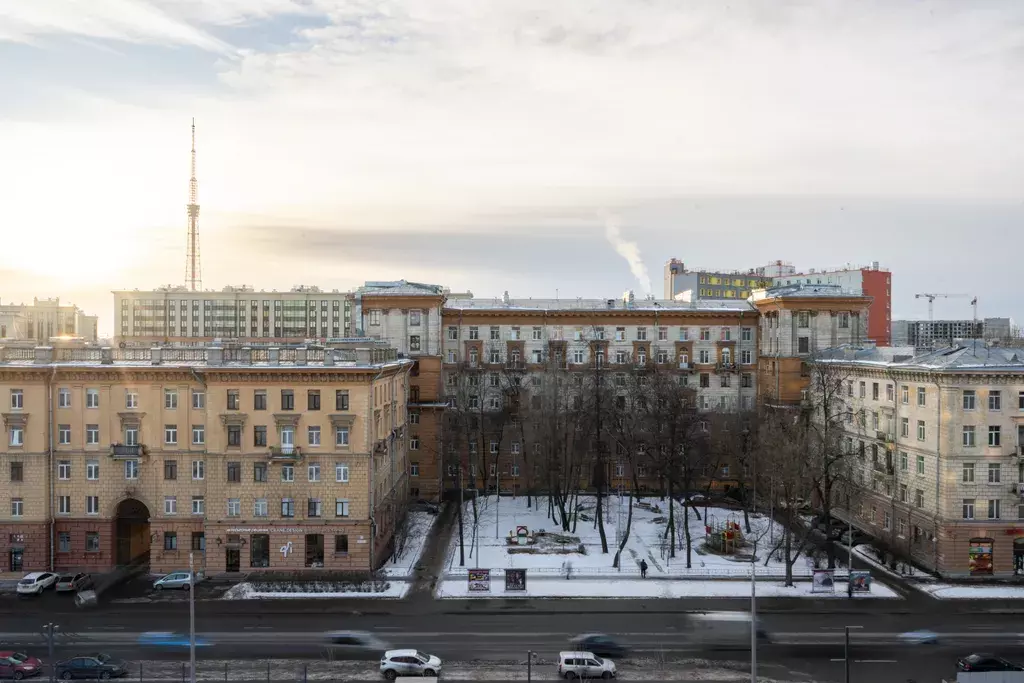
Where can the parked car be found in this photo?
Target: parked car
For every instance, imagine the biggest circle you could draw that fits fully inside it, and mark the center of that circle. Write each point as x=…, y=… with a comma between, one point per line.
x=176, y=580
x=425, y=506
x=68, y=583
x=601, y=645
x=397, y=663
x=36, y=582
x=857, y=537
x=91, y=666
x=169, y=639
x=355, y=644
x=584, y=665
x=979, y=662
x=18, y=666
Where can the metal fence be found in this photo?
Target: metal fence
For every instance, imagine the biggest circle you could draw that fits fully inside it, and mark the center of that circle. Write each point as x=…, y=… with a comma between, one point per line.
x=800, y=570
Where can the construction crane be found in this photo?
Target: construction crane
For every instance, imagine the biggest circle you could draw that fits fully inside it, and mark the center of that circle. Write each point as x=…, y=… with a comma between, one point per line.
x=932, y=297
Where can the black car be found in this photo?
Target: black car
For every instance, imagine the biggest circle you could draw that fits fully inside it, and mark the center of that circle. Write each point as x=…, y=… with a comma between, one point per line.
x=600, y=645
x=979, y=662
x=91, y=666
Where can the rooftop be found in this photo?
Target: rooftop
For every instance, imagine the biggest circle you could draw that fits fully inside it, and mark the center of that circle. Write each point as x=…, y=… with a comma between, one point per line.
x=580, y=304
x=804, y=290
x=962, y=356
x=399, y=288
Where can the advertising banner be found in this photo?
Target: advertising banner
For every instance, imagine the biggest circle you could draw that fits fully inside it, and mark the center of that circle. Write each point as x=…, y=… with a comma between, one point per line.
x=860, y=581
x=515, y=579
x=979, y=556
x=479, y=580
x=823, y=581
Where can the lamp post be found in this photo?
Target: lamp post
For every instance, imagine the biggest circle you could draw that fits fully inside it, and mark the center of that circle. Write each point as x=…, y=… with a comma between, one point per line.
x=49, y=630
x=192, y=617
x=753, y=560
x=846, y=651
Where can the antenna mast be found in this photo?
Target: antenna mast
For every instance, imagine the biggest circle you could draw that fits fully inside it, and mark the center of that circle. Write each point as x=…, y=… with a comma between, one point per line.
x=193, y=268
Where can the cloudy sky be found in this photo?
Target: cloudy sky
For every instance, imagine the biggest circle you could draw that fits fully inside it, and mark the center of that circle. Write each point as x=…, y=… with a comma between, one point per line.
x=497, y=146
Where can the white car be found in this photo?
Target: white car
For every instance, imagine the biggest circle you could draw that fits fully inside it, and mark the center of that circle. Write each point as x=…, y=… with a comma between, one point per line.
x=397, y=663
x=584, y=665
x=36, y=582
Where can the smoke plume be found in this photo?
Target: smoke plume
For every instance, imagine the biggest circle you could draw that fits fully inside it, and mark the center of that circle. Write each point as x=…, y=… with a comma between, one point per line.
x=627, y=250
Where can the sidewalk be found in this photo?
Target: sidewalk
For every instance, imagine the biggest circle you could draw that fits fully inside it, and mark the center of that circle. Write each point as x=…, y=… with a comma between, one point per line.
x=431, y=564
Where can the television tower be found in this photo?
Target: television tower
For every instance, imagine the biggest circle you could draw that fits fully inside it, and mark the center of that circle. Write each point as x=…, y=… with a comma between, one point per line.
x=193, y=268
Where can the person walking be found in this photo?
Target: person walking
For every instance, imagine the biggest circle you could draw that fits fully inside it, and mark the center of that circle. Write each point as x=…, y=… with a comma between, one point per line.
x=643, y=569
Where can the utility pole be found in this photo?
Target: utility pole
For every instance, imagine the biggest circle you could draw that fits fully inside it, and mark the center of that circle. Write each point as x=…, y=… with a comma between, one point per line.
x=49, y=630
x=846, y=651
x=753, y=561
x=192, y=617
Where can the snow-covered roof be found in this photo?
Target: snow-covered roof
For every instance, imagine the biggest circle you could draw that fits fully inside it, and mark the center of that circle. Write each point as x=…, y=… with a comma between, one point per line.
x=399, y=288
x=804, y=290
x=579, y=304
x=964, y=356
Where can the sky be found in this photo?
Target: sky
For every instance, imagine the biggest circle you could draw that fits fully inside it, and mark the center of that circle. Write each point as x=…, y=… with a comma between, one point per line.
x=534, y=147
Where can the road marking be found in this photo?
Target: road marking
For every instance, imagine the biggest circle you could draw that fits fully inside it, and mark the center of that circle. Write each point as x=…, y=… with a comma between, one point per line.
x=874, y=661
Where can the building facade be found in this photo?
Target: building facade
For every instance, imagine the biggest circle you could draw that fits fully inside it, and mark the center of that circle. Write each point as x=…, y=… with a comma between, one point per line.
x=937, y=446
x=870, y=281
x=46, y=319
x=926, y=334
x=696, y=284
x=796, y=323
x=174, y=314
x=251, y=458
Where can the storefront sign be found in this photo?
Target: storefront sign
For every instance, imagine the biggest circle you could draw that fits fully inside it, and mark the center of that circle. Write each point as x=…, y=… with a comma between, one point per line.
x=860, y=582
x=1014, y=532
x=479, y=580
x=823, y=581
x=286, y=549
x=274, y=530
x=979, y=556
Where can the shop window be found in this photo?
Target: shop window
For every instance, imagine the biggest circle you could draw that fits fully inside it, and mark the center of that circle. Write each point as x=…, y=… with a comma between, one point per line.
x=259, y=550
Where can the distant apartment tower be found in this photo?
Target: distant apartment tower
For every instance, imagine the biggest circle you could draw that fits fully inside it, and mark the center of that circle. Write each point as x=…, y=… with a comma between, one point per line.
x=686, y=284
x=871, y=281
x=45, y=319
x=926, y=334
x=174, y=314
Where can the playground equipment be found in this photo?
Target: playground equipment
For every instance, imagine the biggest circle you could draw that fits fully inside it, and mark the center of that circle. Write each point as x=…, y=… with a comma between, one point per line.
x=723, y=536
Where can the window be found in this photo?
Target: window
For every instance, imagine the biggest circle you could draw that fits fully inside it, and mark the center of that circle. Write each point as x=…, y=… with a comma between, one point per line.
x=233, y=399
x=131, y=469
x=17, y=436
x=17, y=399
x=375, y=317
x=537, y=334
x=259, y=435
x=474, y=332
x=919, y=498
x=905, y=395
x=874, y=391
x=863, y=389
x=92, y=435
x=170, y=540
x=967, y=475
x=414, y=469
x=341, y=399
x=92, y=398
x=287, y=399
x=234, y=436
x=747, y=334
x=993, y=508
x=969, y=399
x=170, y=505
x=340, y=508
x=994, y=435
x=170, y=399
x=259, y=472
x=803, y=319
x=920, y=464
x=63, y=434
x=259, y=399
x=17, y=507
x=414, y=342
x=313, y=436
x=1020, y=400
x=414, y=444
x=92, y=470
x=995, y=400
x=170, y=470
x=198, y=505
x=92, y=542
x=199, y=541
x=288, y=473
x=131, y=400
x=198, y=434
x=63, y=398
x=341, y=543
x=889, y=393
x=313, y=508
x=64, y=470
x=921, y=396
x=198, y=400
x=968, y=508
x=495, y=333
x=968, y=437
x=994, y=473
x=904, y=464
x=341, y=473
x=198, y=470
x=170, y=434
x=313, y=400
x=920, y=430
x=259, y=508
x=341, y=437
x=64, y=542
x=287, y=507
x=746, y=357
x=234, y=507
x=453, y=334
x=905, y=426
x=803, y=345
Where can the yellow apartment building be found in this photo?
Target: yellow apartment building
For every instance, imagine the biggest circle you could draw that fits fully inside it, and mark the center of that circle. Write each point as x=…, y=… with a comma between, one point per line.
x=269, y=458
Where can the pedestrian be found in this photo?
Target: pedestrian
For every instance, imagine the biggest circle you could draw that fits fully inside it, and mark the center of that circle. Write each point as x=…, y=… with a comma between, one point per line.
x=643, y=569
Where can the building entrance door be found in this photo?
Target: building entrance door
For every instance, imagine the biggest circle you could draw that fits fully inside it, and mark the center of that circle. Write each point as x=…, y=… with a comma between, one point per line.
x=17, y=559
x=233, y=559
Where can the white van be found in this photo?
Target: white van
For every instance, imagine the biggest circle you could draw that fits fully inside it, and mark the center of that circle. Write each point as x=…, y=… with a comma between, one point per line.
x=723, y=630
x=584, y=665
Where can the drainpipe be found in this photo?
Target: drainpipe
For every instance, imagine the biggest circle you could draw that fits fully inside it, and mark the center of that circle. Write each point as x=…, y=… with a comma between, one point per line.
x=50, y=440
x=938, y=471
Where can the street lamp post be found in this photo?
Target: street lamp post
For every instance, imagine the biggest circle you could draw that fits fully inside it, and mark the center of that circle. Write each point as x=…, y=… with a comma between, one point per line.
x=50, y=629
x=753, y=560
x=846, y=651
x=192, y=617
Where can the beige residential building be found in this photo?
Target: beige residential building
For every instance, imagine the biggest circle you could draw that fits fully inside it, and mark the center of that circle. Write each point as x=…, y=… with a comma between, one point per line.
x=45, y=319
x=253, y=458
x=937, y=443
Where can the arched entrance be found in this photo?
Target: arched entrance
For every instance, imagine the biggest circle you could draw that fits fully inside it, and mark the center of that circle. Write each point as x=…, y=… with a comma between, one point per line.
x=131, y=529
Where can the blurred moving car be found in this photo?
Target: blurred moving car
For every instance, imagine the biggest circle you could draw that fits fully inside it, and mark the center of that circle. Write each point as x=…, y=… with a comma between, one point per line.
x=921, y=637
x=422, y=505
x=176, y=580
x=36, y=582
x=600, y=644
x=170, y=639
x=91, y=666
x=584, y=665
x=73, y=582
x=17, y=665
x=980, y=662
x=355, y=644
x=725, y=630
x=397, y=663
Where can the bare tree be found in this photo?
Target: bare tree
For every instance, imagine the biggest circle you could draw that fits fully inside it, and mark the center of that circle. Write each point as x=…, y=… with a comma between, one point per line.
x=730, y=442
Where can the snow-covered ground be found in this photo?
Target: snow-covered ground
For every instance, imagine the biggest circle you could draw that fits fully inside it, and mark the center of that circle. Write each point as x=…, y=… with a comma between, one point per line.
x=950, y=591
x=255, y=591
x=417, y=533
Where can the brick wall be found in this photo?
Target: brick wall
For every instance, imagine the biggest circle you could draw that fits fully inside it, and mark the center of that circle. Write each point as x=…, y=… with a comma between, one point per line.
x=78, y=557
x=32, y=538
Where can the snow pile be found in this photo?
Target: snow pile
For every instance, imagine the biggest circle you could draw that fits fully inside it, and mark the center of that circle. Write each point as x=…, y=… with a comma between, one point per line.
x=371, y=588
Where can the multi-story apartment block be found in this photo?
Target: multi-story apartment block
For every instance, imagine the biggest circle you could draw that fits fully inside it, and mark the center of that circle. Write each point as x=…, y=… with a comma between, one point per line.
x=694, y=285
x=252, y=458
x=796, y=323
x=173, y=314
x=46, y=319
x=710, y=346
x=936, y=442
x=870, y=281
x=926, y=334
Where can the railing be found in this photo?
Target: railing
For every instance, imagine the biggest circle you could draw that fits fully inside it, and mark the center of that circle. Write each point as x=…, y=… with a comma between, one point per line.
x=120, y=450
x=18, y=353
x=285, y=453
x=800, y=570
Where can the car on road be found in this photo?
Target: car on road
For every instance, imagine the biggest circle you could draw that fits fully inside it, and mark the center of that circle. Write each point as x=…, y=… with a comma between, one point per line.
x=68, y=583
x=355, y=644
x=36, y=582
x=857, y=537
x=17, y=665
x=178, y=580
x=584, y=665
x=980, y=662
x=920, y=637
x=600, y=644
x=91, y=666
x=170, y=639
x=395, y=663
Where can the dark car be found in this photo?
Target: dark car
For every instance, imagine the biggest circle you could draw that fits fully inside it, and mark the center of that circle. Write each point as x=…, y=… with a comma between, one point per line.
x=91, y=666
x=69, y=583
x=600, y=645
x=425, y=506
x=979, y=662
x=18, y=666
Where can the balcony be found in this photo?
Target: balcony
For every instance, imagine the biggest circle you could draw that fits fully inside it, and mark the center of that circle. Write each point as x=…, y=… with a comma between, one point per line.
x=120, y=450
x=285, y=453
x=515, y=364
x=884, y=468
x=685, y=365
x=725, y=367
